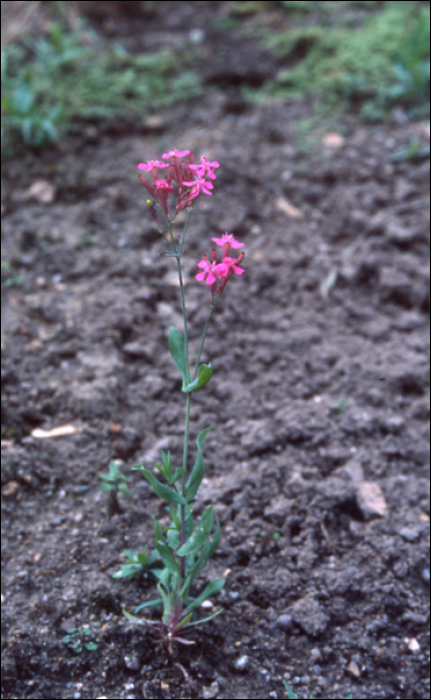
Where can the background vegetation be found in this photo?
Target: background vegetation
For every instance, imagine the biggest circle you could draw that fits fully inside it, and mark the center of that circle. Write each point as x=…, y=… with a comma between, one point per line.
x=351, y=57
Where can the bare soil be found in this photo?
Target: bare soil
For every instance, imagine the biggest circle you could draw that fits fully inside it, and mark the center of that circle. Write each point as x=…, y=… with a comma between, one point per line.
x=318, y=461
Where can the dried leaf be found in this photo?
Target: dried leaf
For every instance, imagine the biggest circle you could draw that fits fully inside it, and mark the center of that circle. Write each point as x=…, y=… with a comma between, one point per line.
x=287, y=208
x=55, y=432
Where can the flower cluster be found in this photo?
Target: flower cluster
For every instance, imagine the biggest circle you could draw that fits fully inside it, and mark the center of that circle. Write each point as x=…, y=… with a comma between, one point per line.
x=216, y=273
x=192, y=179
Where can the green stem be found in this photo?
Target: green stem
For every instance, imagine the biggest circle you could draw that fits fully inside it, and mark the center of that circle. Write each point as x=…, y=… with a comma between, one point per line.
x=185, y=459
x=201, y=347
x=188, y=399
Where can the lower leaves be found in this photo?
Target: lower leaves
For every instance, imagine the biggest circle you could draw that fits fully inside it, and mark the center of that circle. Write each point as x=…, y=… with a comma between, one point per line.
x=184, y=547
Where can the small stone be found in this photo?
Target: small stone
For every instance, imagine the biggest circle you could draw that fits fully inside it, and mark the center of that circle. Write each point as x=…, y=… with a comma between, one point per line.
x=353, y=669
x=413, y=644
x=211, y=692
x=132, y=663
x=284, y=621
x=10, y=489
x=371, y=500
x=242, y=663
x=410, y=534
x=316, y=655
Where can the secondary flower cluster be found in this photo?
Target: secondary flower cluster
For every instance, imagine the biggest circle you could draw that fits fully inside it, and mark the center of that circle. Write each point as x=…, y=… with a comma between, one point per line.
x=192, y=179
x=216, y=273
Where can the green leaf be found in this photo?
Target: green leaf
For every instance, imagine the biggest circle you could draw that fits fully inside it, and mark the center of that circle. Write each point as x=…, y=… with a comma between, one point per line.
x=91, y=646
x=195, y=571
x=149, y=604
x=134, y=619
x=290, y=692
x=200, y=534
x=215, y=540
x=185, y=621
x=106, y=487
x=176, y=476
x=198, y=470
x=166, y=467
x=206, y=619
x=128, y=570
x=205, y=374
x=177, y=350
x=160, y=489
x=209, y=590
x=164, y=550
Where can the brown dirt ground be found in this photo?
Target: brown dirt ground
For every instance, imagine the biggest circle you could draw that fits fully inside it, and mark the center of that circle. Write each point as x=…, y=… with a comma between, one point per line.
x=320, y=407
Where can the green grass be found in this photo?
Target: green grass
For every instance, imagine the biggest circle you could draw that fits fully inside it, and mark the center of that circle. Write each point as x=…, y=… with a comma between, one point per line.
x=48, y=83
x=355, y=56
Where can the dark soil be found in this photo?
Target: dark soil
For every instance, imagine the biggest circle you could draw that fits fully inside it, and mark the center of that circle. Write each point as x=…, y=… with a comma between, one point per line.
x=318, y=461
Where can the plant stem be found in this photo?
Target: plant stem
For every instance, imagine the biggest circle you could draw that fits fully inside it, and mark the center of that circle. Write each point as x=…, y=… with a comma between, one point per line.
x=188, y=396
x=201, y=347
x=185, y=459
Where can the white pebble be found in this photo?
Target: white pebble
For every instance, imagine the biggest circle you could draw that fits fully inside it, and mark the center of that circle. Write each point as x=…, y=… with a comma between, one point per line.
x=241, y=663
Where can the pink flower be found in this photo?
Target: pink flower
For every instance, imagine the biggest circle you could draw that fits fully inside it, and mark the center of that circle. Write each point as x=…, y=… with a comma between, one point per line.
x=208, y=270
x=163, y=190
x=175, y=172
x=151, y=164
x=175, y=152
x=206, y=168
x=227, y=241
x=228, y=266
x=228, y=238
x=201, y=186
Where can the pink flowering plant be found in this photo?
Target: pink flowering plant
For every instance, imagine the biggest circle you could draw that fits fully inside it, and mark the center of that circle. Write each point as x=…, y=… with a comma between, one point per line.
x=175, y=183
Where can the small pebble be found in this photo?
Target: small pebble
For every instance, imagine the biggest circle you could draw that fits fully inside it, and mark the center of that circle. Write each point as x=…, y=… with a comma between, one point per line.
x=353, y=669
x=413, y=644
x=211, y=692
x=241, y=663
x=284, y=621
x=132, y=663
x=316, y=654
x=410, y=534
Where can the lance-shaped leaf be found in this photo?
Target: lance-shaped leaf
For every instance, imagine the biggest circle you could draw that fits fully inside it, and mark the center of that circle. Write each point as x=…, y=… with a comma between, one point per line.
x=198, y=470
x=160, y=489
x=195, y=571
x=164, y=550
x=166, y=467
x=207, y=552
x=148, y=604
x=216, y=539
x=204, y=375
x=177, y=350
x=209, y=590
x=206, y=619
x=199, y=535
